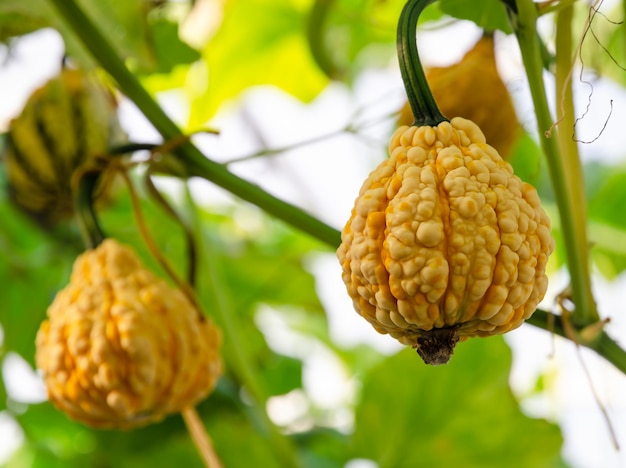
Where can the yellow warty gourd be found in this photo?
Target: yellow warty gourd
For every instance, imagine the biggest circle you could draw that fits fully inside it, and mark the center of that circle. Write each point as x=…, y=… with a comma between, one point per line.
x=473, y=89
x=120, y=347
x=444, y=241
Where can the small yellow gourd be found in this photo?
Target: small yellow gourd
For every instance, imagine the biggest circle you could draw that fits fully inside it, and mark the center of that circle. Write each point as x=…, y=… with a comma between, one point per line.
x=121, y=348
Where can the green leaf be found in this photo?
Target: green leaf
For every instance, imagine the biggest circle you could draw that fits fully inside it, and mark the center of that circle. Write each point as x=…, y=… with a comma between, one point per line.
x=282, y=374
x=323, y=448
x=238, y=443
x=460, y=414
x=36, y=266
x=606, y=189
x=527, y=161
x=169, y=49
x=258, y=43
x=488, y=14
x=54, y=440
x=610, y=199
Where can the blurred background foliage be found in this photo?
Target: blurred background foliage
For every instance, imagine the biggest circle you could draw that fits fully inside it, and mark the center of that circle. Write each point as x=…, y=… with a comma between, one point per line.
x=398, y=412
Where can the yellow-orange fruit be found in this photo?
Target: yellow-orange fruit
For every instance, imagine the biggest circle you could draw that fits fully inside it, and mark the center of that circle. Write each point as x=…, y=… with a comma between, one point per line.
x=444, y=241
x=473, y=89
x=64, y=125
x=121, y=348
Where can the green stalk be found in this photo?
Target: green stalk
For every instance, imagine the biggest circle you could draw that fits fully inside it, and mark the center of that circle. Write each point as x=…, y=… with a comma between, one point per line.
x=564, y=168
x=569, y=151
x=421, y=100
x=195, y=162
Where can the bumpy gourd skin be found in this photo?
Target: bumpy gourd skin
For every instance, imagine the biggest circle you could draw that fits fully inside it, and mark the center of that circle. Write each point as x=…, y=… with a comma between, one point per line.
x=444, y=241
x=121, y=348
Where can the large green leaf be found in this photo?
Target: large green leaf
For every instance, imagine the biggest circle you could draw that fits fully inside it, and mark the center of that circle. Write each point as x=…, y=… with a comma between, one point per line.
x=170, y=51
x=258, y=43
x=461, y=414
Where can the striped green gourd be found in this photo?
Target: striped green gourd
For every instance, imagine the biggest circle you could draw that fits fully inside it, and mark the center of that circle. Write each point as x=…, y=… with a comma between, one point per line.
x=63, y=127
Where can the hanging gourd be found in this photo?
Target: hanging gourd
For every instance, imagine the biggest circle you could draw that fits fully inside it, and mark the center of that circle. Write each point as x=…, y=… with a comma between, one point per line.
x=444, y=242
x=64, y=126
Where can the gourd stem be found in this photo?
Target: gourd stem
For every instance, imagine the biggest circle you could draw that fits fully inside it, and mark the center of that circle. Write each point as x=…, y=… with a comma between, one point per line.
x=196, y=163
x=85, y=212
x=200, y=437
x=421, y=100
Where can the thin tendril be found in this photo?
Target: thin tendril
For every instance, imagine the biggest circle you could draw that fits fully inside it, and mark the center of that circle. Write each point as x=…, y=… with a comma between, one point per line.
x=568, y=78
x=189, y=236
x=152, y=246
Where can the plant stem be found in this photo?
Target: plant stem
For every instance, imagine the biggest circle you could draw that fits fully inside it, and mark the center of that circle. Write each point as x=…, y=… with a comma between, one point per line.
x=604, y=345
x=195, y=162
x=569, y=152
x=200, y=437
x=566, y=179
x=421, y=100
